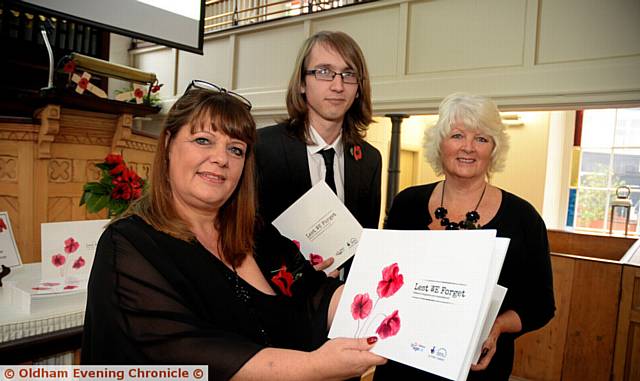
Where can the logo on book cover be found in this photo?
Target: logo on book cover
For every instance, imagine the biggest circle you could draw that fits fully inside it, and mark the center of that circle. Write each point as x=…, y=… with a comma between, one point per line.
x=439, y=353
x=418, y=347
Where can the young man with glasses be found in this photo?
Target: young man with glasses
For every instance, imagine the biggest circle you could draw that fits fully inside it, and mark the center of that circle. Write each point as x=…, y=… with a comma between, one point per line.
x=329, y=106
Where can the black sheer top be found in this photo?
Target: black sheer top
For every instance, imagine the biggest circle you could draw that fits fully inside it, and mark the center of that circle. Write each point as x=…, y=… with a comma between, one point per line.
x=155, y=299
x=526, y=273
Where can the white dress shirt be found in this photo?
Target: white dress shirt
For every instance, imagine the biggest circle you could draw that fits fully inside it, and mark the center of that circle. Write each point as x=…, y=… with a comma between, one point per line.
x=317, y=169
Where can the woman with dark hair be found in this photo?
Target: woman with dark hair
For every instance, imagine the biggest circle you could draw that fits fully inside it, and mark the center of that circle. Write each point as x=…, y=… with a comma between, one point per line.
x=180, y=279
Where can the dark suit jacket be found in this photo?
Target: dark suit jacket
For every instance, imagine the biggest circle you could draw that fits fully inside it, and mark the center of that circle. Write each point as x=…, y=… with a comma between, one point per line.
x=283, y=176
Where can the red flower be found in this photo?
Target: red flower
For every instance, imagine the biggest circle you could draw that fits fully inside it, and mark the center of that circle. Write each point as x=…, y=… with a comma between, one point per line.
x=138, y=93
x=113, y=159
x=135, y=193
x=391, y=281
x=78, y=263
x=296, y=242
x=389, y=326
x=83, y=83
x=356, y=152
x=58, y=260
x=361, y=306
x=156, y=88
x=128, y=176
x=2, y=225
x=128, y=185
x=283, y=279
x=122, y=191
x=315, y=259
x=119, y=181
x=118, y=169
x=70, y=245
x=70, y=287
x=69, y=67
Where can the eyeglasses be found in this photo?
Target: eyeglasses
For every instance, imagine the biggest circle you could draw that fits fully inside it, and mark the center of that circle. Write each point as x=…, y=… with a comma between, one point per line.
x=324, y=74
x=200, y=84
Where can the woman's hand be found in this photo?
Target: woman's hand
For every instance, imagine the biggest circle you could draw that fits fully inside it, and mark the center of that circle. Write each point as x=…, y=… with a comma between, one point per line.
x=488, y=348
x=343, y=358
x=508, y=321
x=325, y=264
x=337, y=359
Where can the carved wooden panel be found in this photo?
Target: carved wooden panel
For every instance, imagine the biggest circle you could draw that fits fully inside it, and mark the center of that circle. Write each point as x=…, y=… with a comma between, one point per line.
x=142, y=169
x=60, y=170
x=141, y=146
x=59, y=209
x=18, y=135
x=44, y=166
x=93, y=173
x=8, y=169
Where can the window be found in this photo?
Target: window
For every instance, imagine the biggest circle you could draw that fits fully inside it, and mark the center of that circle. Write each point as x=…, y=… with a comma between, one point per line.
x=609, y=158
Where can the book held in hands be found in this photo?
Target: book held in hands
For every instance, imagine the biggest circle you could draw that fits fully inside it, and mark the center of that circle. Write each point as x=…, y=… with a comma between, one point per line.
x=427, y=295
x=321, y=226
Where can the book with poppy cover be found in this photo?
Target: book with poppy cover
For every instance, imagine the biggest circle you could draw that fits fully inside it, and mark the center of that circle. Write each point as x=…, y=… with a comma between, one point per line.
x=426, y=295
x=30, y=294
x=68, y=249
x=321, y=226
x=9, y=254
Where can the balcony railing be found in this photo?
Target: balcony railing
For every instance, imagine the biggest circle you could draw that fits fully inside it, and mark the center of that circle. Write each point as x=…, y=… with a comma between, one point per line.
x=225, y=14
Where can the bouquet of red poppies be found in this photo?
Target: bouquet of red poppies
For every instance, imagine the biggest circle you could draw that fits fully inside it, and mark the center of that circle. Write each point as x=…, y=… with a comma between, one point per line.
x=116, y=189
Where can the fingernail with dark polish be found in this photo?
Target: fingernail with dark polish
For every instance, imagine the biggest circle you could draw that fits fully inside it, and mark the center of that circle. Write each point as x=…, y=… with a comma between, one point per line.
x=372, y=340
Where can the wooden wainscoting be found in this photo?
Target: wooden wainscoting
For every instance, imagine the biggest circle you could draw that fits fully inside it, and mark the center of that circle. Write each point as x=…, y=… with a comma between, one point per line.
x=45, y=161
x=627, y=352
x=595, y=334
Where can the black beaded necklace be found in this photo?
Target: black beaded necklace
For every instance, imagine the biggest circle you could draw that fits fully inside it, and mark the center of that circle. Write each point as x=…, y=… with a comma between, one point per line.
x=472, y=217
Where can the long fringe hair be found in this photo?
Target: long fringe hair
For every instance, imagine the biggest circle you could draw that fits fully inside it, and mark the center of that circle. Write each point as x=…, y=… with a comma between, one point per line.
x=236, y=218
x=359, y=115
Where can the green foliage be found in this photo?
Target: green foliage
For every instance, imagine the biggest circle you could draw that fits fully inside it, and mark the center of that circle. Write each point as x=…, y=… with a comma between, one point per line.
x=592, y=203
x=117, y=188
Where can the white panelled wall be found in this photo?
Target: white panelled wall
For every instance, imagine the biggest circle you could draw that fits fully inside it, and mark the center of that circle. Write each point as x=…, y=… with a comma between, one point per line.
x=526, y=55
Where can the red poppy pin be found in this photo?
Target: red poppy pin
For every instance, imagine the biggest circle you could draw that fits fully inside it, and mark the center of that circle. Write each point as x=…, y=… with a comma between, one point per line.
x=356, y=152
x=283, y=279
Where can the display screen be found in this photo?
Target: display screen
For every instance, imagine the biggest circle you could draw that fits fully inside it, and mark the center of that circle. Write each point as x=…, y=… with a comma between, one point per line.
x=177, y=24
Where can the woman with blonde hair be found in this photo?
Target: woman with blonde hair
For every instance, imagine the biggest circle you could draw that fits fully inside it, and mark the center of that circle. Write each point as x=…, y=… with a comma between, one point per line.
x=467, y=145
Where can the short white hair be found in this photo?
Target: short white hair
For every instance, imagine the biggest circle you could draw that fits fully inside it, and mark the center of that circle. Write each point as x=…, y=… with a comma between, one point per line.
x=476, y=112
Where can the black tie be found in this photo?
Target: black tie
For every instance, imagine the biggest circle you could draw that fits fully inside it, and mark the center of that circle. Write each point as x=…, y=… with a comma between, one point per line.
x=327, y=155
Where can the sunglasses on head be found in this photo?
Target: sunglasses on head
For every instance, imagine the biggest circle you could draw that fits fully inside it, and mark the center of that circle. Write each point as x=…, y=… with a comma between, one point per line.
x=200, y=84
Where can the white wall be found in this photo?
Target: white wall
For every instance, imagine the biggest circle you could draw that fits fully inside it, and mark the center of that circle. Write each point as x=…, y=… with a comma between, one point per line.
x=524, y=54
